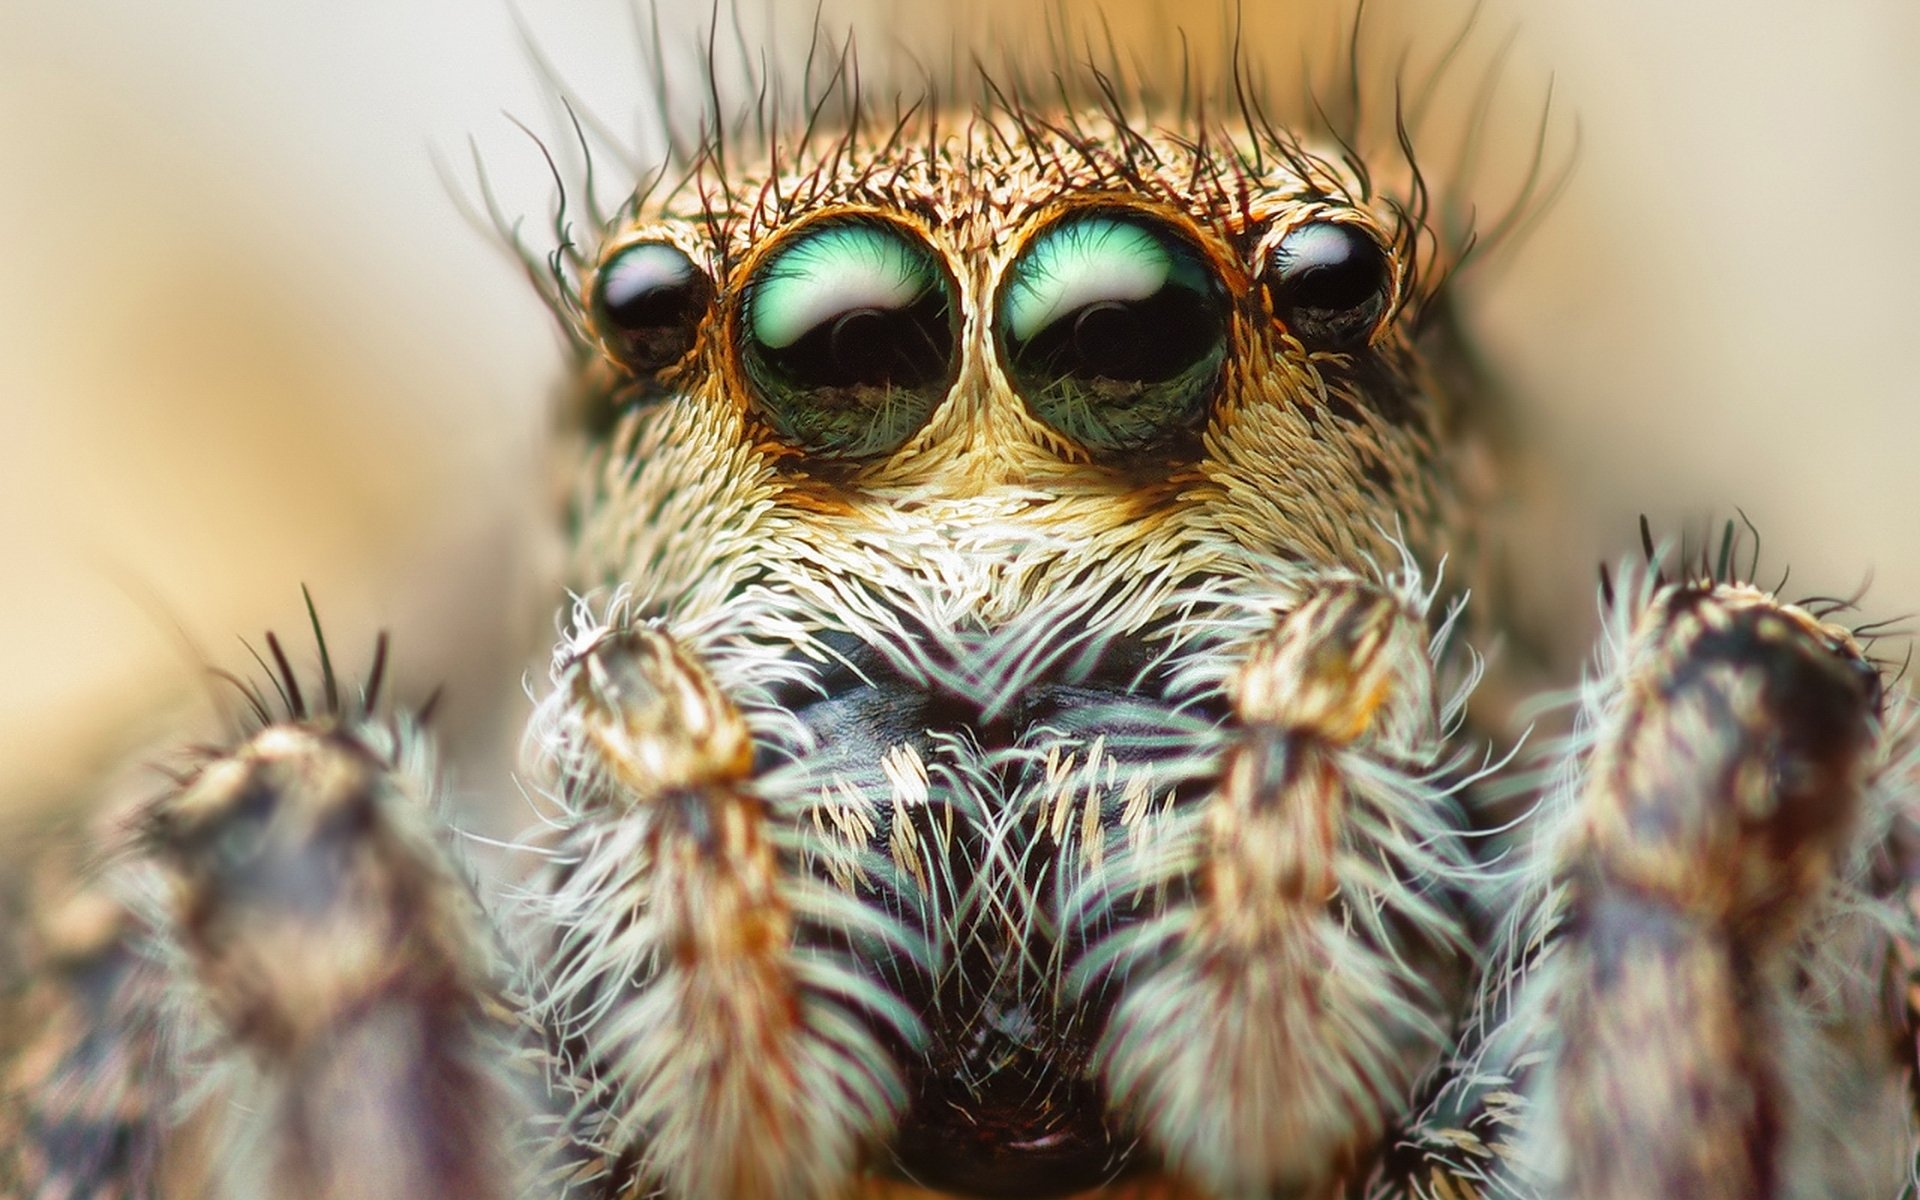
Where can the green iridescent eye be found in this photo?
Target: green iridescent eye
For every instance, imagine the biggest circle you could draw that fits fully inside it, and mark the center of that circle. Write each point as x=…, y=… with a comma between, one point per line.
x=848, y=335
x=1113, y=327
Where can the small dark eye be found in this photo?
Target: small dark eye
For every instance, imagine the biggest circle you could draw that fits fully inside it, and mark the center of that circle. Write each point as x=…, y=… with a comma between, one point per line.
x=1113, y=327
x=1329, y=283
x=848, y=334
x=647, y=303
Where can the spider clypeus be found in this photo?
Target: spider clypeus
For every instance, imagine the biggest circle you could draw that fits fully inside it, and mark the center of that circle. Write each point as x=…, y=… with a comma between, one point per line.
x=1009, y=737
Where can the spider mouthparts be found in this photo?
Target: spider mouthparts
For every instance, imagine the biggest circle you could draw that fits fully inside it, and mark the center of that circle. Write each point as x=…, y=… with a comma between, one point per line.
x=1027, y=1129
x=992, y=773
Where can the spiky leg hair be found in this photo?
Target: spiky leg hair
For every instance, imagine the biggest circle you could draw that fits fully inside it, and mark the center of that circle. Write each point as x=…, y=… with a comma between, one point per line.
x=1303, y=974
x=1695, y=991
x=722, y=1008
x=281, y=986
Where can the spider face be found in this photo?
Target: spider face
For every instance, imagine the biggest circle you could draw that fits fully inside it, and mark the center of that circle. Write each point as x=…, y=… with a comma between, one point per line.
x=978, y=386
x=975, y=474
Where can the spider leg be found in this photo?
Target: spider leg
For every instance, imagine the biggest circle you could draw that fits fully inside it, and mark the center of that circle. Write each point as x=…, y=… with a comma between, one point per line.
x=1902, y=870
x=699, y=978
x=291, y=993
x=1307, y=965
x=86, y=1095
x=1695, y=1001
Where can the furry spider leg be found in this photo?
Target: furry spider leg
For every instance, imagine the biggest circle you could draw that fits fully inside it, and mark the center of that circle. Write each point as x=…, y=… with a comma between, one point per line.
x=281, y=985
x=1695, y=987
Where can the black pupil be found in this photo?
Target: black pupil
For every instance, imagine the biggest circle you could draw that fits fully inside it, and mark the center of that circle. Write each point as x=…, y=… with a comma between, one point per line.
x=1106, y=339
x=906, y=347
x=1149, y=340
x=1329, y=282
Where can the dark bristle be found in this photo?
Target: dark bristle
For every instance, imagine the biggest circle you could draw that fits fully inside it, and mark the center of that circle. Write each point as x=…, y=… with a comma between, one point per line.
x=1355, y=107
x=715, y=149
x=1429, y=88
x=1825, y=606
x=562, y=231
x=1466, y=157
x=328, y=680
x=1240, y=89
x=589, y=193
x=276, y=672
x=1889, y=626
x=296, y=703
x=1753, y=532
x=272, y=677
x=256, y=703
x=1651, y=551
x=432, y=706
x=376, y=674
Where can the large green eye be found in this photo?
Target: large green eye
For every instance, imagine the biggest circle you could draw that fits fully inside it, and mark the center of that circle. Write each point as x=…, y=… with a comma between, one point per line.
x=848, y=336
x=1113, y=327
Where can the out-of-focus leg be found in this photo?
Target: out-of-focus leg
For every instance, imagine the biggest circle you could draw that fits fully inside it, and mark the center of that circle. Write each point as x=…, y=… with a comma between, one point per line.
x=86, y=1097
x=282, y=988
x=1700, y=962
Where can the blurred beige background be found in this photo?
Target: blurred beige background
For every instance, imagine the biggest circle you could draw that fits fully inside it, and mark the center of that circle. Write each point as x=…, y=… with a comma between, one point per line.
x=246, y=341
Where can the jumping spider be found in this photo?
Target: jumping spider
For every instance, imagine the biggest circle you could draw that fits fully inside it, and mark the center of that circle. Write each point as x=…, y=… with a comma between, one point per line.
x=1009, y=738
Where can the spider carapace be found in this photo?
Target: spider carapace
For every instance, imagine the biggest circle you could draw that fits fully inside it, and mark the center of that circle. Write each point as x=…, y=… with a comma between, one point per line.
x=1009, y=739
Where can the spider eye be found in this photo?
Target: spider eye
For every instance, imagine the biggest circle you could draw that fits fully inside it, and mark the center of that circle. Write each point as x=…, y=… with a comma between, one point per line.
x=848, y=337
x=1329, y=283
x=647, y=303
x=1113, y=328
